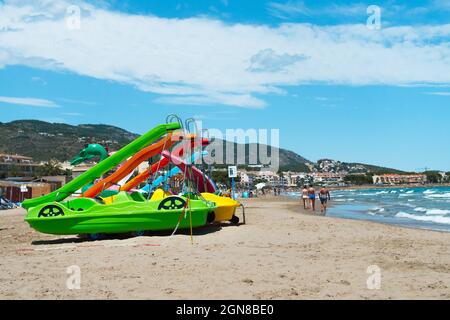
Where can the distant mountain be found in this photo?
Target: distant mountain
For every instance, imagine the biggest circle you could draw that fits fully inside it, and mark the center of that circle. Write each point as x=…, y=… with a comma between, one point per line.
x=43, y=141
x=329, y=165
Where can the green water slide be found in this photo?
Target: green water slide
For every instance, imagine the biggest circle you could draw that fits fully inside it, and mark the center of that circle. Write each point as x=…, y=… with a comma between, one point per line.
x=104, y=166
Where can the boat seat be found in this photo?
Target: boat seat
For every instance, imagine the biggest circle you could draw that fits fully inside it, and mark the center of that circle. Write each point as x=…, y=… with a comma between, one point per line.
x=80, y=204
x=137, y=196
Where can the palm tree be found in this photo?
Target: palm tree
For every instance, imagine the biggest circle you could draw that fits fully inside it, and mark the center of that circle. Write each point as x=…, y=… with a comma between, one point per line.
x=51, y=168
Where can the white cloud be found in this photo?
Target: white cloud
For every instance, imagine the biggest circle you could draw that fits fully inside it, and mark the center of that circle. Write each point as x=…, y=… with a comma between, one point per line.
x=214, y=99
x=285, y=10
x=268, y=60
x=73, y=101
x=33, y=102
x=439, y=93
x=204, y=61
x=39, y=80
x=292, y=9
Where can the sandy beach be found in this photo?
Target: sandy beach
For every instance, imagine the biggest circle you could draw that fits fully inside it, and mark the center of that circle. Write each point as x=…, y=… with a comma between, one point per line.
x=281, y=253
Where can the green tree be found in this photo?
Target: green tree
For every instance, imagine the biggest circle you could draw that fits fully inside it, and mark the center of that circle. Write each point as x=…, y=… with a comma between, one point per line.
x=51, y=168
x=14, y=171
x=433, y=176
x=221, y=177
x=358, y=179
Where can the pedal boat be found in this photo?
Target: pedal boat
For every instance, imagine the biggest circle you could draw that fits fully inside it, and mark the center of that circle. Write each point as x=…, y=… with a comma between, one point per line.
x=126, y=213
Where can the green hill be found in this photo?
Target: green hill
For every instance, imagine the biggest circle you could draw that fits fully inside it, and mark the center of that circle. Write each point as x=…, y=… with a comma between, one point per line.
x=43, y=141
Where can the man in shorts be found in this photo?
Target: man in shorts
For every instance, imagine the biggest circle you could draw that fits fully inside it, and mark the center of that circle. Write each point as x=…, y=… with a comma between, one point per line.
x=312, y=197
x=324, y=196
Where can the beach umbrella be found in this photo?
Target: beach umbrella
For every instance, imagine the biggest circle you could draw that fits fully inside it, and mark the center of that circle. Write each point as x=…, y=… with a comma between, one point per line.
x=259, y=186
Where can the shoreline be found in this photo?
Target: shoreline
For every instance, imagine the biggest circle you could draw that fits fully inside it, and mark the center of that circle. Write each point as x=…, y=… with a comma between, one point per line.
x=359, y=211
x=402, y=186
x=371, y=186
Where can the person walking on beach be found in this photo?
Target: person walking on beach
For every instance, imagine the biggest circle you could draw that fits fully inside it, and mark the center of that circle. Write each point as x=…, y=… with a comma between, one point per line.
x=312, y=197
x=305, y=197
x=324, y=196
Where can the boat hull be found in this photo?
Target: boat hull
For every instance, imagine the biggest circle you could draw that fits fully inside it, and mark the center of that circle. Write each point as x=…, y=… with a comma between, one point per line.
x=128, y=216
x=226, y=207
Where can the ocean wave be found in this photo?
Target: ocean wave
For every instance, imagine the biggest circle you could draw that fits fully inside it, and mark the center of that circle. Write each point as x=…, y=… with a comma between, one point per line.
x=420, y=209
x=437, y=212
x=410, y=191
x=440, y=195
x=343, y=200
x=376, y=210
x=429, y=191
x=435, y=219
x=381, y=192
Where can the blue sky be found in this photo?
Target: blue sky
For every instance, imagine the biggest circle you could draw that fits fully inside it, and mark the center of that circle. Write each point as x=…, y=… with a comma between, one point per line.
x=334, y=87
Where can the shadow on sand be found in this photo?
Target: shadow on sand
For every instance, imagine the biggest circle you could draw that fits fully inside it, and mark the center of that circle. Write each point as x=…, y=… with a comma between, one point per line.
x=200, y=231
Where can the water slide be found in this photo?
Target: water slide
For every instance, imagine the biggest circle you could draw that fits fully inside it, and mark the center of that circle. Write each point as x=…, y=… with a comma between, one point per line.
x=179, y=151
x=129, y=166
x=174, y=171
x=104, y=166
x=203, y=182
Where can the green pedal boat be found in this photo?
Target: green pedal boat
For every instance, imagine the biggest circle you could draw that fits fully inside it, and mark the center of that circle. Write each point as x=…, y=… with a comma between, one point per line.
x=126, y=213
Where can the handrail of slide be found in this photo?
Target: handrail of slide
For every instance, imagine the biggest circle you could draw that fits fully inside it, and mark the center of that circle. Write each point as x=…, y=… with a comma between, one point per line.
x=196, y=176
x=142, y=177
x=131, y=164
x=104, y=166
x=174, y=171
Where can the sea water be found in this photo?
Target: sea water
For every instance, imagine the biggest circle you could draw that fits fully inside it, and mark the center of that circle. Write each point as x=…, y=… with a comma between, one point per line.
x=426, y=208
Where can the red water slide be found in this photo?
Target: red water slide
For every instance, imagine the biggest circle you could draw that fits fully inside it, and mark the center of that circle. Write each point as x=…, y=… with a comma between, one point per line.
x=203, y=182
x=132, y=163
x=178, y=152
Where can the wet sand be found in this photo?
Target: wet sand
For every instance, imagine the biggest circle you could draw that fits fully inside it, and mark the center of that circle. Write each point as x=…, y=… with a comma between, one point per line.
x=282, y=252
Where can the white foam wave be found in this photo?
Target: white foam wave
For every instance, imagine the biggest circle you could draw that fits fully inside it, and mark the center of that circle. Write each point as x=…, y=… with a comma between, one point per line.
x=410, y=191
x=429, y=191
x=437, y=212
x=376, y=210
x=435, y=219
x=440, y=195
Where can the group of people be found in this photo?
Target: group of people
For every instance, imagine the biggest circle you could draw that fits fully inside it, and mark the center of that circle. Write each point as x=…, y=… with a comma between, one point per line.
x=309, y=198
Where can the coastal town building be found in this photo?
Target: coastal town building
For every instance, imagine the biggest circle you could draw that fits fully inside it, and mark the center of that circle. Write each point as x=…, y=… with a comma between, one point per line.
x=17, y=189
x=329, y=177
x=246, y=178
x=13, y=164
x=393, y=179
x=270, y=177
